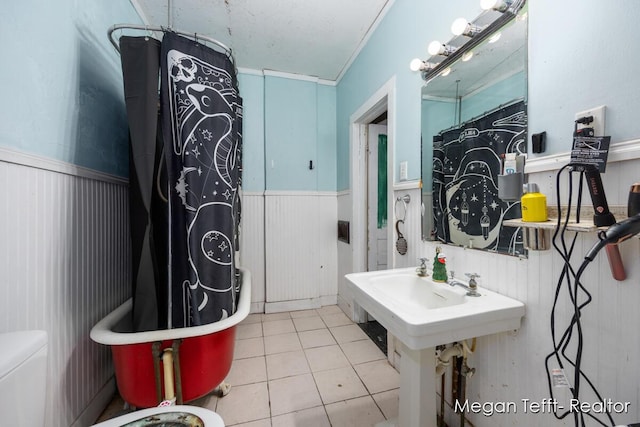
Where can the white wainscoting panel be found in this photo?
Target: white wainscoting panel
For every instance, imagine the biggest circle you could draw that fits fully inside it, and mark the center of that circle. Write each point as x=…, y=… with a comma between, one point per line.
x=511, y=366
x=411, y=229
x=64, y=258
x=300, y=248
x=252, y=246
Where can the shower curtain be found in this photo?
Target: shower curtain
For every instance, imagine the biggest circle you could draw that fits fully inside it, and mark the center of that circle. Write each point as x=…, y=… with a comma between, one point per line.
x=185, y=177
x=201, y=124
x=466, y=165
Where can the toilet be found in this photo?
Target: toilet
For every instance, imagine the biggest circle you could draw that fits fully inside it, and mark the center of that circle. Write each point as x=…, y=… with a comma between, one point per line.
x=179, y=415
x=23, y=365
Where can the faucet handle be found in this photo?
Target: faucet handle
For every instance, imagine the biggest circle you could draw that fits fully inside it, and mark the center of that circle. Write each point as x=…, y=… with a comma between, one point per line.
x=451, y=274
x=472, y=279
x=423, y=261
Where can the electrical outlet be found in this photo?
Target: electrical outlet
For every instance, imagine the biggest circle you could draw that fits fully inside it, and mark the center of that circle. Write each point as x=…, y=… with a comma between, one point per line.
x=598, y=120
x=404, y=174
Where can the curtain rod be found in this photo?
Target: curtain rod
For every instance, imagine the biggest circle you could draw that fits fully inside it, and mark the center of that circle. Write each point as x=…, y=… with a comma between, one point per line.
x=195, y=36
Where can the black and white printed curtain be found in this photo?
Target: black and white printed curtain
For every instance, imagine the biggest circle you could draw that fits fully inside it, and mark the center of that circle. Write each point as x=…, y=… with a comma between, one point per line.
x=185, y=177
x=466, y=163
x=202, y=128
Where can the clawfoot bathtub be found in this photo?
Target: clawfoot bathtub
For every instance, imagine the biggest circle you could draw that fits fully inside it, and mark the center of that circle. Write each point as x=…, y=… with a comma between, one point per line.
x=202, y=355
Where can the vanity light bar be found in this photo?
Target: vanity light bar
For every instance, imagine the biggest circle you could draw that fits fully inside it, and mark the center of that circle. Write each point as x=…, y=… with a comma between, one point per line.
x=437, y=48
x=462, y=27
x=418, y=64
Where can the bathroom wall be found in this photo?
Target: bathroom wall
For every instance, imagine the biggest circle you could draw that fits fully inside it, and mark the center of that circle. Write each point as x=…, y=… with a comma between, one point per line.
x=510, y=366
x=289, y=210
x=63, y=153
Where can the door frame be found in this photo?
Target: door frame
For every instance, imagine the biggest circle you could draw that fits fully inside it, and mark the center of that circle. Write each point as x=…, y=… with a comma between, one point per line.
x=384, y=99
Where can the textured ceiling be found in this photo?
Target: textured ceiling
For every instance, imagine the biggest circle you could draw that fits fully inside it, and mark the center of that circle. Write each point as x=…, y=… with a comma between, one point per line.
x=310, y=37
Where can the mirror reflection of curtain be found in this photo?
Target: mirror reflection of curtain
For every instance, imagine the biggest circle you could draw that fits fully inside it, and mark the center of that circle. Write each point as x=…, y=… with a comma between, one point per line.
x=467, y=160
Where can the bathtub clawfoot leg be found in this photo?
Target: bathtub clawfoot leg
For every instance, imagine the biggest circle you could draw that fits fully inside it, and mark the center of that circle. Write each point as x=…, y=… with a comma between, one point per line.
x=224, y=389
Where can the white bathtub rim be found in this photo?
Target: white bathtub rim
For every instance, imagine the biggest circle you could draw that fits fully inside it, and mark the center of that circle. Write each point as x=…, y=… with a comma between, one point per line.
x=103, y=332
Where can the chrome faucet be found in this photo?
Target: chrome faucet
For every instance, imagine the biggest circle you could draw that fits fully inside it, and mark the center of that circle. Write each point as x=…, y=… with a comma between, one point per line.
x=422, y=269
x=471, y=287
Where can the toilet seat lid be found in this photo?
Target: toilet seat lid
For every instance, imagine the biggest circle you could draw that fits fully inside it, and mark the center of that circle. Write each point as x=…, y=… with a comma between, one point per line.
x=209, y=418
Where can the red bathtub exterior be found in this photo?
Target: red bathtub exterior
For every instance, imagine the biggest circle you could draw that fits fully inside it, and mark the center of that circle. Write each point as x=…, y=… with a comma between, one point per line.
x=205, y=361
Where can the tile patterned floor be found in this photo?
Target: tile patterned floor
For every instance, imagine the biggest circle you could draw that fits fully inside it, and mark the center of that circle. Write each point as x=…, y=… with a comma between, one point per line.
x=311, y=368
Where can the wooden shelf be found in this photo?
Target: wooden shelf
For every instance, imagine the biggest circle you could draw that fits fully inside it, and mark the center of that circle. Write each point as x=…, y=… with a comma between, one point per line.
x=583, y=226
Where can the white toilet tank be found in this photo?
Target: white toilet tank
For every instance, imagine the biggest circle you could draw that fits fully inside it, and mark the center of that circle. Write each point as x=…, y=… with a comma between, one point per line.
x=23, y=375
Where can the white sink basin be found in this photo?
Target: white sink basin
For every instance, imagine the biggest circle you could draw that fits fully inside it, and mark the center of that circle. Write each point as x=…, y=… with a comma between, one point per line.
x=422, y=313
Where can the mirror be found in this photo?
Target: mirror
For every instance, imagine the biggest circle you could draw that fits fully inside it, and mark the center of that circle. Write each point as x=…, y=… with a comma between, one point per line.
x=473, y=112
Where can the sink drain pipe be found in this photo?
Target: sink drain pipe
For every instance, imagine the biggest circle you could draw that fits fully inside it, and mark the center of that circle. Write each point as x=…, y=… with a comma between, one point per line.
x=460, y=351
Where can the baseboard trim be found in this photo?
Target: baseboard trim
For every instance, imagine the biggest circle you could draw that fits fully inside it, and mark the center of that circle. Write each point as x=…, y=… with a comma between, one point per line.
x=91, y=413
x=300, y=304
x=257, y=307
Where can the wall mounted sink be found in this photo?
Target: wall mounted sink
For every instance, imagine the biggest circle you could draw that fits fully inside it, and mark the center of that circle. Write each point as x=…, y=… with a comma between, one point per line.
x=423, y=314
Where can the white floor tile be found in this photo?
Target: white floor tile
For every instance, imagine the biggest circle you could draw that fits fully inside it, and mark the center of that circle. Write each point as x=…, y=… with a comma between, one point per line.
x=275, y=316
x=348, y=333
x=314, y=417
x=281, y=343
x=378, y=376
x=260, y=423
x=329, y=309
x=252, y=330
x=252, y=318
x=325, y=358
x=303, y=313
x=389, y=402
x=336, y=319
x=250, y=347
x=293, y=394
x=276, y=327
x=247, y=371
x=361, y=351
x=234, y=407
x=308, y=323
x=316, y=338
x=287, y=364
x=360, y=412
x=339, y=384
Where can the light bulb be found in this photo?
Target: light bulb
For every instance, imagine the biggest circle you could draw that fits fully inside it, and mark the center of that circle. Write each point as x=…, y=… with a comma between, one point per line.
x=499, y=5
x=435, y=48
x=467, y=56
x=415, y=64
x=459, y=26
x=446, y=72
x=494, y=38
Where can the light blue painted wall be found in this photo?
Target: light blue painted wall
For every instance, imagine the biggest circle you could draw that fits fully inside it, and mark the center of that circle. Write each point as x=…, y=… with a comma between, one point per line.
x=502, y=92
x=583, y=54
x=62, y=84
x=252, y=92
x=579, y=57
x=403, y=34
x=326, y=138
x=289, y=121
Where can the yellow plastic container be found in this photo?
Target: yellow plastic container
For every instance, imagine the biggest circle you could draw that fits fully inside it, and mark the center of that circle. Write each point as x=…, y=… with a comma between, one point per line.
x=533, y=205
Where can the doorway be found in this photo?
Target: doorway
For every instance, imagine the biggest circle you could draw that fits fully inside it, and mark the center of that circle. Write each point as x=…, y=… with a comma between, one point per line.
x=374, y=117
x=377, y=193
x=380, y=102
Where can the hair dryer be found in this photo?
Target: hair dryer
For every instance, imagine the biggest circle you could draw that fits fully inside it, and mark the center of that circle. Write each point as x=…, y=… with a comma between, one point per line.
x=617, y=233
